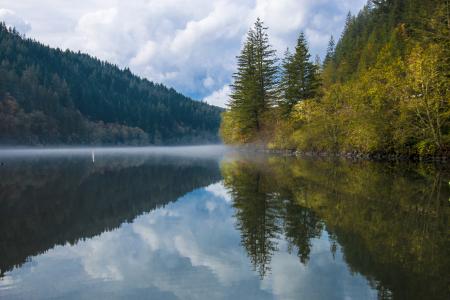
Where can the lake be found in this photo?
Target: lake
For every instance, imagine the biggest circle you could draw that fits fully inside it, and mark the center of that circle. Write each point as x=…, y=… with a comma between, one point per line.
x=212, y=223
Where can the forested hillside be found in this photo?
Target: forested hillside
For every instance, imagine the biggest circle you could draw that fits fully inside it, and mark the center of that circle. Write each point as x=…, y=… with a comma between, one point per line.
x=383, y=88
x=50, y=96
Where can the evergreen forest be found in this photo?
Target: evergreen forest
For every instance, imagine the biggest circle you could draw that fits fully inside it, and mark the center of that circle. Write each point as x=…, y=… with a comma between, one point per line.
x=382, y=87
x=51, y=96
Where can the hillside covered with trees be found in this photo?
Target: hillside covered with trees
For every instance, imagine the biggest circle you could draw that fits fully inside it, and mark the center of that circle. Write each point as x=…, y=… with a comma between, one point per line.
x=51, y=96
x=383, y=88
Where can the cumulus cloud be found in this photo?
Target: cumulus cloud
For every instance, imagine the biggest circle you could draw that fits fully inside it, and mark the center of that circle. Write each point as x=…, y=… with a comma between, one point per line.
x=190, y=45
x=219, y=190
x=219, y=97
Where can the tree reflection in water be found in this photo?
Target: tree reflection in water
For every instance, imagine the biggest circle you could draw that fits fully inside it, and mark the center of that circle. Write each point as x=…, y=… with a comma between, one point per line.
x=390, y=220
x=47, y=202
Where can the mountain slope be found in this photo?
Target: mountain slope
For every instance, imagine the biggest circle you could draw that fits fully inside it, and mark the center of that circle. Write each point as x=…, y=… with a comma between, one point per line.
x=50, y=96
x=384, y=88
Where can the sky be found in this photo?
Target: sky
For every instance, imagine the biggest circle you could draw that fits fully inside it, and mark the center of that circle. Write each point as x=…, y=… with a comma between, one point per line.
x=188, y=45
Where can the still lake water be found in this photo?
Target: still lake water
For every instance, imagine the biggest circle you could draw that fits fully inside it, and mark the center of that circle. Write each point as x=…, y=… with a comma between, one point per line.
x=205, y=223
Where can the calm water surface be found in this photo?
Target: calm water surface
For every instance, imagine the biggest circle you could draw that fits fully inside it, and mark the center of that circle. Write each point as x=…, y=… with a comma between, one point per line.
x=205, y=223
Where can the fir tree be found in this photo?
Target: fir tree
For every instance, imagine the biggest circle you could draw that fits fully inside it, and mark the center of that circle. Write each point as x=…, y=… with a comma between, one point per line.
x=330, y=51
x=299, y=76
x=287, y=85
x=254, y=87
x=384, y=86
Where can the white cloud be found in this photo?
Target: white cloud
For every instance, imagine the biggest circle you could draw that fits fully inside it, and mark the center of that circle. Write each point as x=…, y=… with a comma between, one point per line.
x=190, y=45
x=208, y=82
x=219, y=97
x=283, y=16
x=145, y=54
x=95, y=31
x=219, y=190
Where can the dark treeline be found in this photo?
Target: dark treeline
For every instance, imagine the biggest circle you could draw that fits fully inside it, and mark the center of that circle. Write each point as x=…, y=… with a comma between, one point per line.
x=50, y=96
x=390, y=222
x=49, y=202
x=383, y=88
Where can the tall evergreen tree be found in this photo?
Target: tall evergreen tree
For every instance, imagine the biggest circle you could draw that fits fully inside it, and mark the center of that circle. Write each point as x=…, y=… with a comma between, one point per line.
x=287, y=82
x=385, y=86
x=299, y=79
x=330, y=51
x=254, y=87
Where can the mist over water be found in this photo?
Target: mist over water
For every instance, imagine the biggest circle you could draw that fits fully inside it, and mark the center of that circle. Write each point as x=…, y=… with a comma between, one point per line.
x=180, y=151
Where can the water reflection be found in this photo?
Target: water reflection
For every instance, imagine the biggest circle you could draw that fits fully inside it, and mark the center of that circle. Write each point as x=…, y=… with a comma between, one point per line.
x=49, y=201
x=390, y=220
x=257, y=228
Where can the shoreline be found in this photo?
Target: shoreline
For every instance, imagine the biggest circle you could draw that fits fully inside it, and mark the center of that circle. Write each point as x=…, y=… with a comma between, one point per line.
x=380, y=157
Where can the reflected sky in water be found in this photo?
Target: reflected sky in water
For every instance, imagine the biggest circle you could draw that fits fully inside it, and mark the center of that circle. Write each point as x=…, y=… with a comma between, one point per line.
x=204, y=223
x=189, y=249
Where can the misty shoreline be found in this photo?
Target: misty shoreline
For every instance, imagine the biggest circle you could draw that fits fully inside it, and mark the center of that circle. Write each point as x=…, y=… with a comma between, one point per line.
x=191, y=150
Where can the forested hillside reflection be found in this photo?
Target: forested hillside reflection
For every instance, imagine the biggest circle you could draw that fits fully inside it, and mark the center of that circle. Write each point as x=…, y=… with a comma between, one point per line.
x=391, y=221
x=52, y=201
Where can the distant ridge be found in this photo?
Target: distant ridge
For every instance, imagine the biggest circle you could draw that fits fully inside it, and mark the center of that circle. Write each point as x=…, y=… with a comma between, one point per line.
x=50, y=96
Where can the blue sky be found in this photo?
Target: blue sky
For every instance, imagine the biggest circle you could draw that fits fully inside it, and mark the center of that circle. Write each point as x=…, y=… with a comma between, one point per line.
x=188, y=45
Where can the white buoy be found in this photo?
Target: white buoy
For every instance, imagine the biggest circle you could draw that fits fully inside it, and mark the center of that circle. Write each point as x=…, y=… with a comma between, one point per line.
x=93, y=156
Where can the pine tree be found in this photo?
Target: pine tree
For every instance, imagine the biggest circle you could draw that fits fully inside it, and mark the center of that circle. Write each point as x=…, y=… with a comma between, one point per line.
x=348, y=23
x=299, y=79
x=287, y=82
x=254, y=88
x=330, y=51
